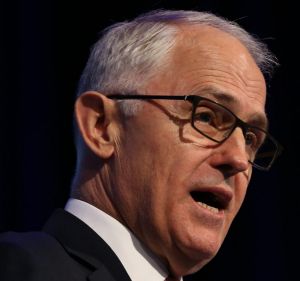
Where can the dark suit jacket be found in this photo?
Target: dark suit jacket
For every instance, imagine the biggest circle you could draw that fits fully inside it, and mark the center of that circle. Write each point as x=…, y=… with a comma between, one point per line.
x=66, y=250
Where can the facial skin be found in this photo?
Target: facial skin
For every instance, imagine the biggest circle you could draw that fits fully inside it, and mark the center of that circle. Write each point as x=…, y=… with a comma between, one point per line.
x=157, y=163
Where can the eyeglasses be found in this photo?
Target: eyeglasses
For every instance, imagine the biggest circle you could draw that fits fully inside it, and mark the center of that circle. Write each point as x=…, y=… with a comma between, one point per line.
x=217, y=123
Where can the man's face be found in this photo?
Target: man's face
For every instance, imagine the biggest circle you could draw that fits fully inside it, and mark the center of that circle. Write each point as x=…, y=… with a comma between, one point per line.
x=177, y=191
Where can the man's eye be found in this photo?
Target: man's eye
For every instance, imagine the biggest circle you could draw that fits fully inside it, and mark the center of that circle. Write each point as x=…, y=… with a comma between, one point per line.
x=206, y=117
x=251, y=140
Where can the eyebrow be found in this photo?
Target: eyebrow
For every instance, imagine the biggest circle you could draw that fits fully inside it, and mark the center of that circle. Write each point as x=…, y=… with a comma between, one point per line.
x=257, y=119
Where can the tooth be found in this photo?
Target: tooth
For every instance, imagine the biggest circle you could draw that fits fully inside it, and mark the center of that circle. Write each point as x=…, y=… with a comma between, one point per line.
x=213, y=209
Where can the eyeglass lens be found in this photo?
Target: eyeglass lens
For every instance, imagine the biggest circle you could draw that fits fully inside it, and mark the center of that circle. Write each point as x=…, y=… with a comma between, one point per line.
x=217, y=123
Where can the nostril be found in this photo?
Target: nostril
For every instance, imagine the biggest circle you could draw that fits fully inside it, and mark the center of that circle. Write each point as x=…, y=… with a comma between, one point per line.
x=226, y=168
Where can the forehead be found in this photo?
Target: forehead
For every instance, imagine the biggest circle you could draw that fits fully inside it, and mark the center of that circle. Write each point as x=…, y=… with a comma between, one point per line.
x=205, y=57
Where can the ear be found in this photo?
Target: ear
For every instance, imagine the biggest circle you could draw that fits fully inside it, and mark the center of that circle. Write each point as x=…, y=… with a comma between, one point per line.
x=95, y=118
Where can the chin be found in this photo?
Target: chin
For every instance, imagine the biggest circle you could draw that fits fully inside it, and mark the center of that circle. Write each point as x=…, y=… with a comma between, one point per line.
x=189, y=268
x=189, y=263
x=193, y=259
x=198, y=267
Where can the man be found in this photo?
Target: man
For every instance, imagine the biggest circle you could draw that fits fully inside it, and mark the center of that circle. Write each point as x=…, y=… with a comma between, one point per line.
x=171, y=121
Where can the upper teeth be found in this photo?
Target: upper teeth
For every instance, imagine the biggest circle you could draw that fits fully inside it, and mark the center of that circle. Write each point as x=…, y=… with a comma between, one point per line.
x=213, y=209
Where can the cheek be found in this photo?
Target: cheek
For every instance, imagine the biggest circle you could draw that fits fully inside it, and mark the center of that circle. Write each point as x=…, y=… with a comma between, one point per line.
x=197, y=141
x=143, y=167
x=160, y=190
x=241, y=186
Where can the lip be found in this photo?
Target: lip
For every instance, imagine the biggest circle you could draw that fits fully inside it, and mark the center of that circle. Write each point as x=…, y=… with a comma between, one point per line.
x=223, y=195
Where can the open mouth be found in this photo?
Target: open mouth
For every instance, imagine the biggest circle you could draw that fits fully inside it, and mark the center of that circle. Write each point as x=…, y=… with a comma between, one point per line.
x=209, y=201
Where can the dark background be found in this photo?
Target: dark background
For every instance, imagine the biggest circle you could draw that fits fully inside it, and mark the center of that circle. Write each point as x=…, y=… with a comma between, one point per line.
x=44, y=47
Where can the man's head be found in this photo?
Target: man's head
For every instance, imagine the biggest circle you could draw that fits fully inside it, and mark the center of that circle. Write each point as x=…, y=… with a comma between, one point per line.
x=142, y=161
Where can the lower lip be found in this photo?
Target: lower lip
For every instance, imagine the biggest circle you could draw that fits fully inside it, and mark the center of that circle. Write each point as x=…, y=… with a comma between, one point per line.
x=209, y=215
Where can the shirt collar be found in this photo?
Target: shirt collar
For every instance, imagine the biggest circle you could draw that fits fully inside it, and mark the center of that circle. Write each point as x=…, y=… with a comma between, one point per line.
x=137, y=260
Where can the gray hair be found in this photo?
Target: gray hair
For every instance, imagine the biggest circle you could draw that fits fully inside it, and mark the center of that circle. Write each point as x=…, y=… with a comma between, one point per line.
x=129, y=53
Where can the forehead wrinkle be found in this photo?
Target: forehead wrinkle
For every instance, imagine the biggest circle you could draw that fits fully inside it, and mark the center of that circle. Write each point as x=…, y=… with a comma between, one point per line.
x=255, y=90
x=250, y=86
x=237, y=77
x=235, y=70
x=226, y=76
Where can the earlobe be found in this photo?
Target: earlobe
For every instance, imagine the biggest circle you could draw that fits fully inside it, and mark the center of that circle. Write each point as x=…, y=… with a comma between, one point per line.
x=95, y=115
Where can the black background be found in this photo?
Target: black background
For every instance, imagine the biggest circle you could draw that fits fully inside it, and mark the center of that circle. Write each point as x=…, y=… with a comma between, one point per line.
x=44, y=47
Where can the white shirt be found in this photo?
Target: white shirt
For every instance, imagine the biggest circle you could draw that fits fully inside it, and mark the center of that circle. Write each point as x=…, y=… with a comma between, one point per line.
x=138, y=261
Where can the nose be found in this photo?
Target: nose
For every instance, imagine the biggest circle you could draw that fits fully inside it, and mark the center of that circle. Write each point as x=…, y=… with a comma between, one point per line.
x=231, y=156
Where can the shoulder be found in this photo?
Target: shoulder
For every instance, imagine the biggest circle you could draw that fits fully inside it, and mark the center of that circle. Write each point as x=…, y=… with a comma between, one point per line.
x=29, y=256
x=21, y=242
x=17, y=255
x=29, y=243
x=22, y=238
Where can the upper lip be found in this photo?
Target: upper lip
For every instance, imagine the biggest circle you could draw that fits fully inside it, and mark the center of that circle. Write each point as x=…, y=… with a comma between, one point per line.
x=215, y=196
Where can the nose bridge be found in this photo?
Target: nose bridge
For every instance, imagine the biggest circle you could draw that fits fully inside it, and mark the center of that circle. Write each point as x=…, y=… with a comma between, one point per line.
x=234, y=151
x=237, y=138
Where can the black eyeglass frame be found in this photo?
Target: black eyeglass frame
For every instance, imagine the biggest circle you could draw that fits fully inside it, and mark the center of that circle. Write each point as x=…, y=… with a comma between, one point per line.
x=194, y=99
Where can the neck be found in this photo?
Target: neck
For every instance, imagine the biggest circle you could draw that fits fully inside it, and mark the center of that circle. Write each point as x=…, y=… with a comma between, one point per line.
x=93, y=192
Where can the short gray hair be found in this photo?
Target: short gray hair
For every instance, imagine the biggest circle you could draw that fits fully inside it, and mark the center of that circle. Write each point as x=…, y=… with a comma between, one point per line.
x=130, y=52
